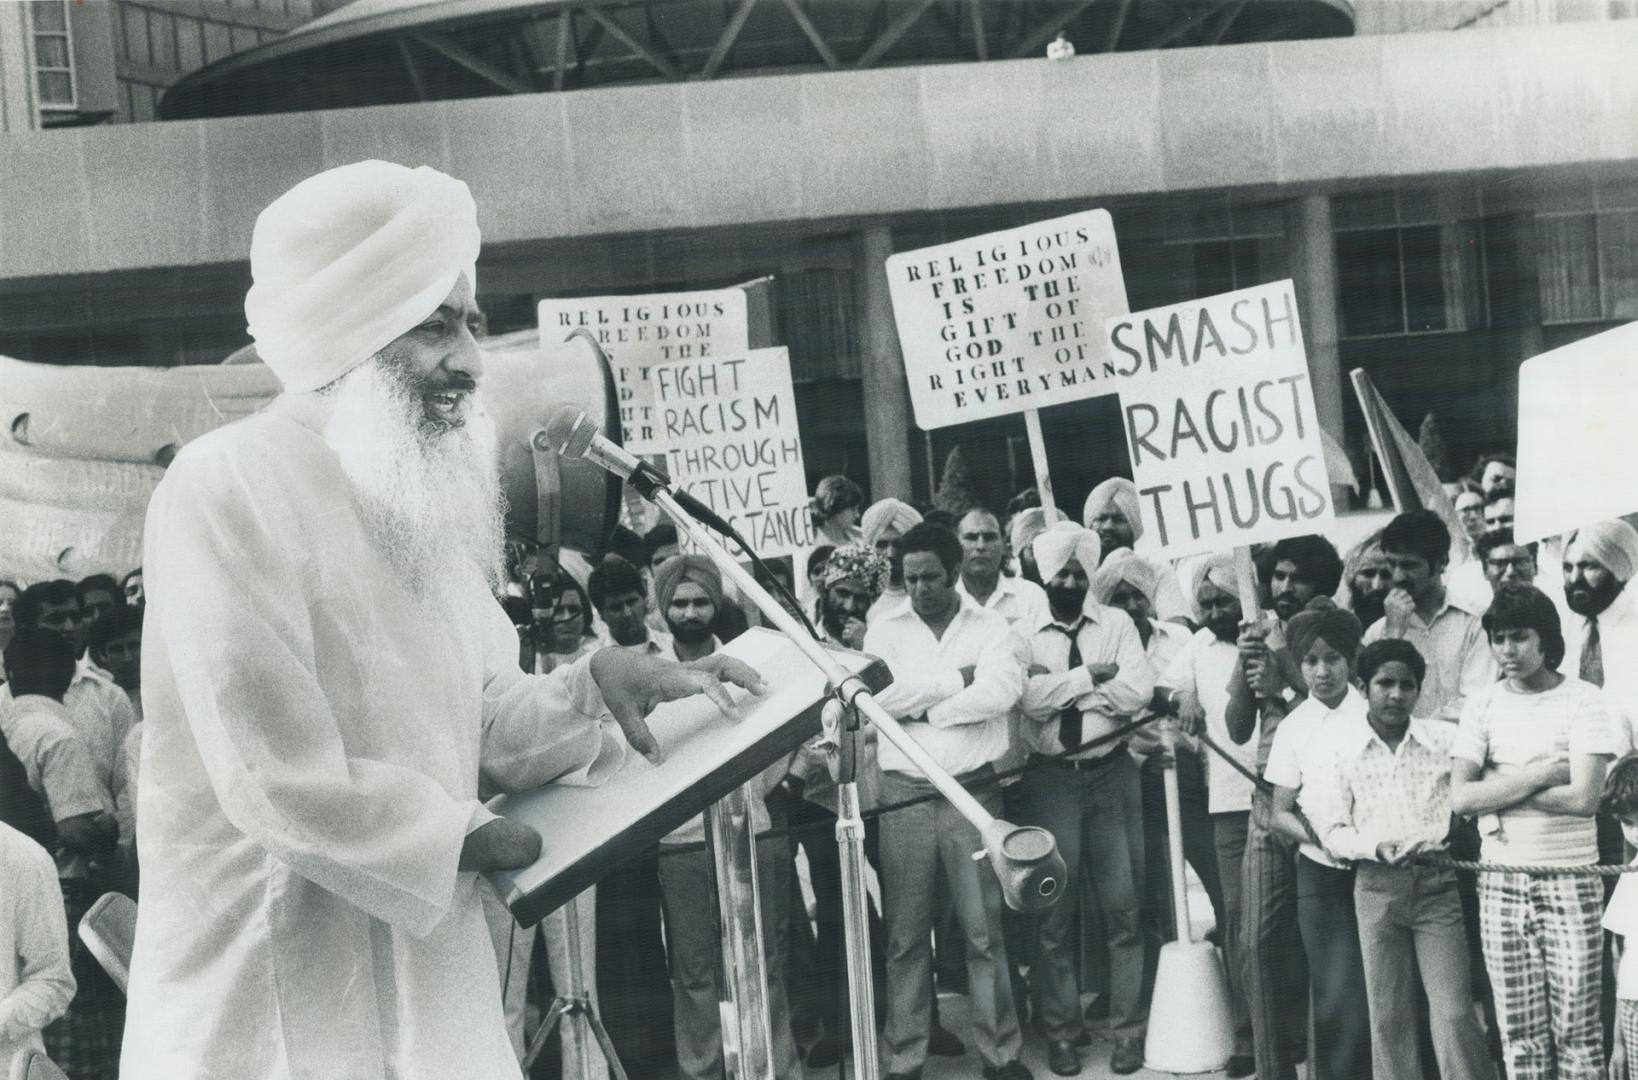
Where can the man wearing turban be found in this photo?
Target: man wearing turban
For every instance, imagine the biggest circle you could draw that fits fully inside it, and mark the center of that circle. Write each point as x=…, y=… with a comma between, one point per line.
x=688, y=589
x=883, y=525
x=1087, y=677
x=1111, y=511
x=1022, y=530
x=331, y=686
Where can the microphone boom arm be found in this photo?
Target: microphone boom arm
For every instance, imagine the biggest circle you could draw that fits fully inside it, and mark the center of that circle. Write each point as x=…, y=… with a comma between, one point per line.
x=1025, y=858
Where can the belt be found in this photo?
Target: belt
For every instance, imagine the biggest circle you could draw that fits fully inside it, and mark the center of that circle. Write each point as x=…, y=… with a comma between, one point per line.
x=1084, y=764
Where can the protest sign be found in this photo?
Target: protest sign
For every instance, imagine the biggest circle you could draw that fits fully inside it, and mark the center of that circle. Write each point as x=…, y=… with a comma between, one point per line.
x=728, y=424
x=1009, y=321
x=1220, y=421
x=1576, y=410
x=637, y=332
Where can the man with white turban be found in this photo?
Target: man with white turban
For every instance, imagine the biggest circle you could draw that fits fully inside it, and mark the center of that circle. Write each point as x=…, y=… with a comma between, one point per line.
x=330, y=684
x=884, y=523
x=1196, y=686
x=1111, y=511
x=1087, y=677
x=1022, y=530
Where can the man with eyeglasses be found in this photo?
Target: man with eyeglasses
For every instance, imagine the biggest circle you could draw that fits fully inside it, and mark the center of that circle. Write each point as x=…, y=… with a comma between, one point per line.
x=1505, y=560
x=99, y=710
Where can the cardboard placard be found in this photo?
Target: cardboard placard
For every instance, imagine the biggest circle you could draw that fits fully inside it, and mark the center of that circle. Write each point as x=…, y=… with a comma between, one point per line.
x=637, y=332
x=1576, y=409
x=1220, y=421
x=1009, y=321
x=728, y=426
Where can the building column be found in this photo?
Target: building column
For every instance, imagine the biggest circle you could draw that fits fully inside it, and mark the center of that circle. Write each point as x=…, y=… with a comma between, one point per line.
x=886, y=396
x=1311, y=252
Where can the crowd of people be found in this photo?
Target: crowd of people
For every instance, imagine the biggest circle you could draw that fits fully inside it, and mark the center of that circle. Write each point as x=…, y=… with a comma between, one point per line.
x=1396, y=703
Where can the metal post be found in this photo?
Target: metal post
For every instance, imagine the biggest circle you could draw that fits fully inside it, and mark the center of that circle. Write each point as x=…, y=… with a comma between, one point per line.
x=861, y=989
x=747, y=1033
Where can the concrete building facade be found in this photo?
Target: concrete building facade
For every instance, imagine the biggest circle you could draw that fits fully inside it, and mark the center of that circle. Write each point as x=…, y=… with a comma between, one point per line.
x=1452, y=195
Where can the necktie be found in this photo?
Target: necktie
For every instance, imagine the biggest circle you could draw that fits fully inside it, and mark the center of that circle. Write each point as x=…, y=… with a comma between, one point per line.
x=1069, y=719
x=1592, y=655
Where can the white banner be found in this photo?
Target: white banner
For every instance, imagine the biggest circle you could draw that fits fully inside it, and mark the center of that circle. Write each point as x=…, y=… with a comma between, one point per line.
x=1577, y=405
x=637, y=332
x=1219, y=417
x=728, y=425
x=1009, y=321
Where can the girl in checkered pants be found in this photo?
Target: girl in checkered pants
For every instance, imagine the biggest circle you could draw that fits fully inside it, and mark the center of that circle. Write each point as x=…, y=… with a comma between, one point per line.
x=1621, y=918
x=1529, y=760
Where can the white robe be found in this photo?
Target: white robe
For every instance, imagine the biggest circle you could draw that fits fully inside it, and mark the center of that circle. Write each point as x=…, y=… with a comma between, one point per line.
x=316, y=745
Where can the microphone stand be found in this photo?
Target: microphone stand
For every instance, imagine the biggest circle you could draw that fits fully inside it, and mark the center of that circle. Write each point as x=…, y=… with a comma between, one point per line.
x=1025, y=858
x=572, y=1002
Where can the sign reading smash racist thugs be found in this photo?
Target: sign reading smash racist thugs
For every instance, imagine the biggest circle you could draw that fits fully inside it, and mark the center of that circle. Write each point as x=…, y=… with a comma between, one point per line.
x=1009, y=321
x=637, y=332
x=1220, y=421
x=729, y=429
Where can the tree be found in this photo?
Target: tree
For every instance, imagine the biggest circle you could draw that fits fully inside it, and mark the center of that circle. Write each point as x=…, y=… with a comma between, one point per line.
x=1433, y=448
x=955, y=490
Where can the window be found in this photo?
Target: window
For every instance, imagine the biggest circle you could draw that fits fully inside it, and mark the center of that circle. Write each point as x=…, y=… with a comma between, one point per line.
x=1589, y=266
x=53, y=55
x=1409, y=263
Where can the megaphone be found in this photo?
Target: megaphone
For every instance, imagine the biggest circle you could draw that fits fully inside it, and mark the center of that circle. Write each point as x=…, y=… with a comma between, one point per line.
x=551, y=500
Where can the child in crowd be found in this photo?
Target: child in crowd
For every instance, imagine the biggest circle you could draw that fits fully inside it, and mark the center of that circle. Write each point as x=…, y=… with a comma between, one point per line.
x=1621, y=917
x=1392, y=802
x=1301, y=765
x=1530, y=757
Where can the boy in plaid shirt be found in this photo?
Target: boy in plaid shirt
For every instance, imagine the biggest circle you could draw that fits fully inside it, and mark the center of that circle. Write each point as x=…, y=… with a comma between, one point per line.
x=1392, y=802
x=1529, y=758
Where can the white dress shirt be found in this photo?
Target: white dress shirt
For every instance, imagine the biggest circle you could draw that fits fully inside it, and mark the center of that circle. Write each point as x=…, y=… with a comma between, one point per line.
x=1304, y=756
x=1104, y=635
x=100, y=713
x=1020, y=601
x=1203, y=668
x=36, y=984
x=965, y=726
x=1618, y=643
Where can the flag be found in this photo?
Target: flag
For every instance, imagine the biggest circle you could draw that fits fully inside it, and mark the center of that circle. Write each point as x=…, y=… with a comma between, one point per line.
x=1412, y=482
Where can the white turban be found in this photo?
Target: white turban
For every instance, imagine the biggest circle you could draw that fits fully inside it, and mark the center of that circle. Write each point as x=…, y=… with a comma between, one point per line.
x=1221, y=572
x=1124, y=565
x=1066, y=540
x=887, y=514
x=1612, y=544
x=1025, y=527
x=1120, y=491
x=350, y=259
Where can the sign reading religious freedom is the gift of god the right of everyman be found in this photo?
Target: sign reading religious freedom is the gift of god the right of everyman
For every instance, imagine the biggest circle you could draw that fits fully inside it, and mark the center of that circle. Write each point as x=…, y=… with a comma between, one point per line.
x=1009, y=321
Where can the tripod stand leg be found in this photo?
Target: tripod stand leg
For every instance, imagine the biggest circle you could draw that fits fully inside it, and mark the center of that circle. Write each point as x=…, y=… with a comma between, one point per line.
x=616, y=1070
x=544, y=1032
x=856, y=927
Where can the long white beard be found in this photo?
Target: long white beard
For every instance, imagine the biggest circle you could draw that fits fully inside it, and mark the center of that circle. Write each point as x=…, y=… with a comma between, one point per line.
x=431, y=498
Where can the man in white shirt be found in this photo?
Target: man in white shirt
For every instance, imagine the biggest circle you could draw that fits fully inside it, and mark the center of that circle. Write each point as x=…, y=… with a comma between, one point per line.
x=1087, y=677
x=1420, y=610
x=957, y=672
x=1197, y=685
x=99, y=710
x=688, y=590
x=1021, y=602
x=36, y=983
x=620, y=595
x=884, y=524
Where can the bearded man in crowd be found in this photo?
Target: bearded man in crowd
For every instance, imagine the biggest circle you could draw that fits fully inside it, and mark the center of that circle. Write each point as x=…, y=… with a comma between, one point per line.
x=332, y=686
x=884, y=524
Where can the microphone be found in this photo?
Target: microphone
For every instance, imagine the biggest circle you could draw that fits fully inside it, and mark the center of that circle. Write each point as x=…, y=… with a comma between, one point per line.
x=573, y=434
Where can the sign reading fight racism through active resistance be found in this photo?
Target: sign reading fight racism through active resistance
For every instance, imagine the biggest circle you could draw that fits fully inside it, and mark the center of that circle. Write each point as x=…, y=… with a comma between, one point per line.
x=1220, y=421
x=1008, y=321
x=637, y=332
x=728, y=426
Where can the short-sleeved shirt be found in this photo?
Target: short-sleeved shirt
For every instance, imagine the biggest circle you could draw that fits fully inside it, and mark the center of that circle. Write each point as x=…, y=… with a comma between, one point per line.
x=1504, y=730
x=1621, y=917
x=1304, y=756
x=1203, y=668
